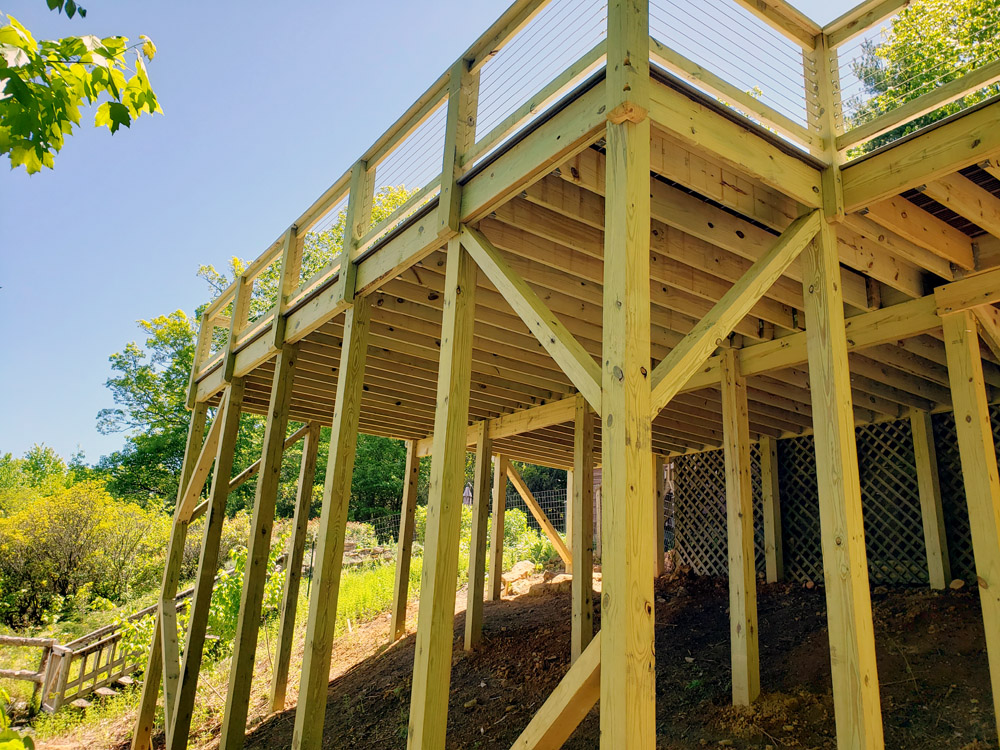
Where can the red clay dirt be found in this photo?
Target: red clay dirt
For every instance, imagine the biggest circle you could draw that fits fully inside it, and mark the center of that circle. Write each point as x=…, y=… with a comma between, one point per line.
x=931, y=662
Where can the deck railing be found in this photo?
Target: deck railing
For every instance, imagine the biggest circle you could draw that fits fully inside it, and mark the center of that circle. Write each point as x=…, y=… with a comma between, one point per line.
x=762, y=58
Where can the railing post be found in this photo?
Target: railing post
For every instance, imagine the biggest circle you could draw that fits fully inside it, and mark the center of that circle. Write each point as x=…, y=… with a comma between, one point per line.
x=460, y=135
x=825, y=116
x=356, y=222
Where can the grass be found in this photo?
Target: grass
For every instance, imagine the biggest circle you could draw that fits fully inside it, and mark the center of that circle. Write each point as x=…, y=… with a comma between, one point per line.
x=366, y=592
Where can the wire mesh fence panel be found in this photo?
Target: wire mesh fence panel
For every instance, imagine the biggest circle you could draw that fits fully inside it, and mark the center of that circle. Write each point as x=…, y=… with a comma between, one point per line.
x=552, y=503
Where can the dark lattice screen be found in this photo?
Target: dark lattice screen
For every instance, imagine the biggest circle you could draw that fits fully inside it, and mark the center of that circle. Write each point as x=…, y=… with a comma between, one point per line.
x=700, y=512
x=890, y=501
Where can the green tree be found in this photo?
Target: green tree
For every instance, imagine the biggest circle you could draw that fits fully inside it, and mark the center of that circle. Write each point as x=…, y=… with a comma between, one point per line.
x=927, y=44
x=43, y=85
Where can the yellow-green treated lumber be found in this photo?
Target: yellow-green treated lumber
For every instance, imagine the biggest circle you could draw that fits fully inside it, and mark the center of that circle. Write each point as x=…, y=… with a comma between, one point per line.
x=404, y=549
x=979, y=471
x=432, y=663
x=293, y=571
x=581, y=521
x=308, y=732
x=845, y=570
x=774, y=557
x=744, y=651
x=500, y=464
x=931, y=509
x=477, y=543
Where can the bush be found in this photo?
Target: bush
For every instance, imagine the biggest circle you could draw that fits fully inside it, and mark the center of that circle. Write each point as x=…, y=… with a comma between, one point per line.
x=55, y=544
x=235, y=533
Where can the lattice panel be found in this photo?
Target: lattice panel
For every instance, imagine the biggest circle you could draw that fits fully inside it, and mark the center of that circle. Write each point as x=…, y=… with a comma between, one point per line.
x=699, y=506
x=956, y=512
x=799, y=495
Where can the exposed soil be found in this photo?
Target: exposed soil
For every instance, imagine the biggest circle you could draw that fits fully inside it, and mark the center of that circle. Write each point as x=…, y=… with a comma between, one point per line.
x=931, y=662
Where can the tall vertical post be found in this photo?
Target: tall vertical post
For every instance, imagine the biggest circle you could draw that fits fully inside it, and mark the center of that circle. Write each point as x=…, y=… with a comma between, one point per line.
x=308, y=732
x=208, y=566
x=845, y=569
x=774, y=556
x=931, y=510
x=628, y=698
x=979, y=470
x=582, y=523
x=460, y=134
x=477, y=544
x=569, y=517
x=659, y=522
x=293, y=571
x=739, y=521
x=146, y=713
x=404, y=547
x=496, y=528
x=258, y=550
x=432, y=663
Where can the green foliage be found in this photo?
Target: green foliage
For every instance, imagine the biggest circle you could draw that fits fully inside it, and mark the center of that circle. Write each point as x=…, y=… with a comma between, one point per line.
x=59, y=550
x=41, y=470
x=541, y=478
x=45, y=83
x=224, y=610
x=9, y=738
x=366, y=591
x=930, y=43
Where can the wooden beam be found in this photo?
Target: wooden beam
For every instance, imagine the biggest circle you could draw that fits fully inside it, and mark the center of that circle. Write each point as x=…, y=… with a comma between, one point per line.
x=198, y=471
x=208, y=565
x=786, y=20
x=432, y=663
x=935, y=152
x=924, y=229
x=477, y=543
x=539, y=514
x=852, y=639
x=568, y=704
x=929, y=490
x=988, y=319
x=571, y=357
x=967, y=199
x=774, y=559
x=143, y=728
x=979, y=470
x=670, y=375
x=628, y=690
x=308, y=732
x=972, y=291
x=258, y=550
x=293, y=569
x=861, y=18
x=581, y=521
x=500, y=468
x=744, y=651
x=404, y=548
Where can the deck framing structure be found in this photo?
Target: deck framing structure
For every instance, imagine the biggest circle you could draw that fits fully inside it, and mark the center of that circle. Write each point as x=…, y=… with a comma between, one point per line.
x=563, y=301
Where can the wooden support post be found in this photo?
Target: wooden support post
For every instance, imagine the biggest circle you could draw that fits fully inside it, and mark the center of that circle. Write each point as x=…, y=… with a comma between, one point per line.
x=774, y=558
x=308, y=732
x=460, y=135
x=496, y=528
x=659, y=522
x=293, y=571
x=628, y=695
x=432, y=663
x=979, y=470
x=568, y=704
x=845, y=569
x=569, y=518
x=258, y=550
x=143, y=730
x=208, y=566
x=931, y=511
x=477, y=544
x=404, y=547
x=739, y=521
x=582, y=523
x=821, y=68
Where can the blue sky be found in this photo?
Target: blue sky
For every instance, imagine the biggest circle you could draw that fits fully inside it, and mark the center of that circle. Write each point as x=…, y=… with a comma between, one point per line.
x=265, y=105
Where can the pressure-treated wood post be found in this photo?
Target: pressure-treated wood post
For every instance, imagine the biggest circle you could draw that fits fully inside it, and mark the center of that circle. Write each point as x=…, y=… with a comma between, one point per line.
x=308, y=732
x=460, y=134
x=208, y=566
x=628, y=697
x=931, y=511
x=569, y=517
x=258, y=550
x=582, y=523
x=293, y=571
x=146, y=713
x=477, y=544
x=845, y=569
x=774, y=556
x=432, y=662
x=660, y=491
x=404, y=546
x=496, y=527
x=739, y=521
x=979, y=471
